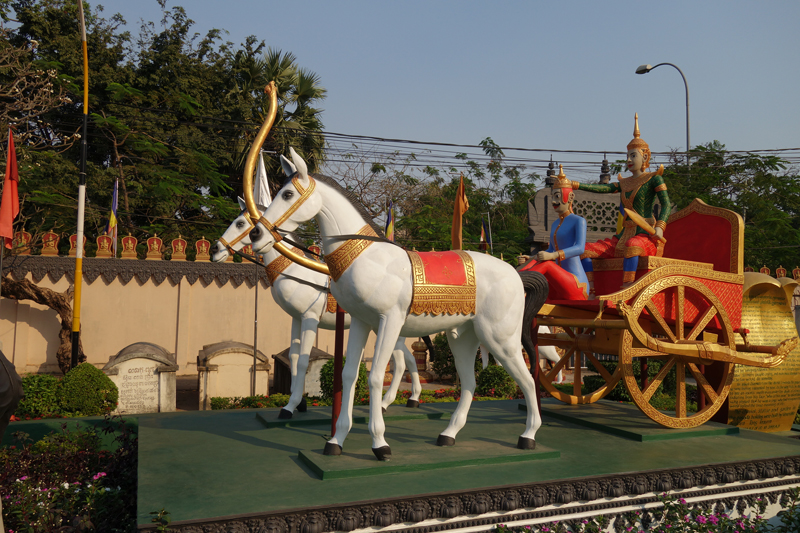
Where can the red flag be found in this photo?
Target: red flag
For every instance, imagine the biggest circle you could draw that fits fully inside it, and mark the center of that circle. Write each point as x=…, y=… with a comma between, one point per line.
x=9, y=206
x=460, y=207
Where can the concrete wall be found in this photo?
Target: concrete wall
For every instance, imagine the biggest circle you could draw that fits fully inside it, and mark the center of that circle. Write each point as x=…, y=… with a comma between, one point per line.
x=181, y=317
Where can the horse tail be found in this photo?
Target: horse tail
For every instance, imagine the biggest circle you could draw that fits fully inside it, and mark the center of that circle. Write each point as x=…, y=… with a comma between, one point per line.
x=536, y=289
x=427, y=340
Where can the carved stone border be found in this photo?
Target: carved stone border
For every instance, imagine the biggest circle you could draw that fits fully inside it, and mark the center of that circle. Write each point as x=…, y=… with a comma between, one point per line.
x=449, y=505
x=126, y=269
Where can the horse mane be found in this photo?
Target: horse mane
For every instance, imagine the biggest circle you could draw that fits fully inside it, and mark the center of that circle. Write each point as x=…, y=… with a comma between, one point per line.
x=353, y=199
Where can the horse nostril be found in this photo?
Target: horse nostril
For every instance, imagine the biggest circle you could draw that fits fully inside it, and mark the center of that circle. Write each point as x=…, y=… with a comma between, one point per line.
x=215, y=248
x=255, y=234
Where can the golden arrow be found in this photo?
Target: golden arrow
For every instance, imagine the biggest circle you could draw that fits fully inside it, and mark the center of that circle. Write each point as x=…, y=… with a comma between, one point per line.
x=642, y=223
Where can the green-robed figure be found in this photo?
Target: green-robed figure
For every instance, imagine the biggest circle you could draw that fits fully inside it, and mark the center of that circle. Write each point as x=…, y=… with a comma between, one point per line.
x=637, y=193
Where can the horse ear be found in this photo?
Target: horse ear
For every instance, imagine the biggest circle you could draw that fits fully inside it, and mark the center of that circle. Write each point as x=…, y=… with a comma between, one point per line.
x=242, y=205
x=302, y=169
x=261, y=208
x=288, y=167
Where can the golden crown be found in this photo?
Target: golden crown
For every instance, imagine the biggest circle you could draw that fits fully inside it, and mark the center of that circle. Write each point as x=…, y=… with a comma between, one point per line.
x=562, y=181
x=637, y=142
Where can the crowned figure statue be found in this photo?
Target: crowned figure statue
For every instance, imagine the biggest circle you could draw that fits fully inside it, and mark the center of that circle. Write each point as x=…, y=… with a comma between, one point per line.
x=638, y=193
x=560, y=263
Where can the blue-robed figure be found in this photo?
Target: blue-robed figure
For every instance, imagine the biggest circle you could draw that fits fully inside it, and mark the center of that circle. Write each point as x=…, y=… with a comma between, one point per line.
x=561, y=263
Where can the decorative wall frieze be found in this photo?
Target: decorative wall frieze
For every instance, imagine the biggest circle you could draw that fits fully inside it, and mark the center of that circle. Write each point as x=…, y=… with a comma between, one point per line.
x=720, y=484
x=125, y=270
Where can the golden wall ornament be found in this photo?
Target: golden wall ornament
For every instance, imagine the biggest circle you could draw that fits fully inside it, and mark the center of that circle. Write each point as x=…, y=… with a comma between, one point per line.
x=340, y=259
x=438, y=299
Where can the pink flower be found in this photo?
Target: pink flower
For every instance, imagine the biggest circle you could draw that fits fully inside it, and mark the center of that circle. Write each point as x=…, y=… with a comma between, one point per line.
x=98, y=475
x=701, y=519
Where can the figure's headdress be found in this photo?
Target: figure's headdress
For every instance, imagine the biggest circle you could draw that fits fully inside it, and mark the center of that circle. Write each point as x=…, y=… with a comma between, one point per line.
x=561, y=182
x=639, y=144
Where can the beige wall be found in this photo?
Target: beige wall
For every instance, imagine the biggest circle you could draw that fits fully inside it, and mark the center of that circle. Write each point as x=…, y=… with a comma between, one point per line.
x=180, y=317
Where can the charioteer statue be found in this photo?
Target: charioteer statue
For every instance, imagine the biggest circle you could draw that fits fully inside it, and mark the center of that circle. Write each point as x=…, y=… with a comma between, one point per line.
x=638, y=194
x=561, y=263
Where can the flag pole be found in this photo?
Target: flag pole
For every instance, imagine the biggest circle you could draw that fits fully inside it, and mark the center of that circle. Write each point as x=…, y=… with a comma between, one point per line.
x=76, y=306
x=491, y=242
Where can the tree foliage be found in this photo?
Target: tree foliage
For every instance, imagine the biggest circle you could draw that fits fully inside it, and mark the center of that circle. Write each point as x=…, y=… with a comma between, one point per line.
x=172, y=117
x=763, y=189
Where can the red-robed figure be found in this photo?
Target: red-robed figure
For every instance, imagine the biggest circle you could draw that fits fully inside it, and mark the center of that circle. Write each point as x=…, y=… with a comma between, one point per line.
x=561, y=263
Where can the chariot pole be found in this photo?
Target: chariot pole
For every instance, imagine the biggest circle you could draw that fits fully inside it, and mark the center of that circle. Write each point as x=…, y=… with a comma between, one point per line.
x=76, y=306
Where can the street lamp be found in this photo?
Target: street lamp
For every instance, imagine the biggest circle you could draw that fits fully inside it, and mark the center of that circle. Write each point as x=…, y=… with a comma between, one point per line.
x=644, y=69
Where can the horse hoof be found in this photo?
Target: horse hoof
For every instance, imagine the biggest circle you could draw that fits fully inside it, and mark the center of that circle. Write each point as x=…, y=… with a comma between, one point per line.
x=444, y=440
x=412, y=403
x=526, y=444
x=285, y=414
x=384, y=453
x=303, y=407
x=332, y=449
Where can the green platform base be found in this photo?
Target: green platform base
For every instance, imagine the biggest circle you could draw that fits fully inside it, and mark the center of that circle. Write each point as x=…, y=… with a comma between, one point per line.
x=322, y=416
x=417, y=451
x=626, y=421
x=206, y=464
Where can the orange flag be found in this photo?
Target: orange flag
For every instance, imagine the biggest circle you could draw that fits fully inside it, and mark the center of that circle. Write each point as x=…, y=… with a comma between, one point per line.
x=9, y=205
x=460, y=207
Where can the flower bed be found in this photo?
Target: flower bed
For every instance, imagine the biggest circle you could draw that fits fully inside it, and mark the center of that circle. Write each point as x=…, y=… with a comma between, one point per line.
x=68, y=481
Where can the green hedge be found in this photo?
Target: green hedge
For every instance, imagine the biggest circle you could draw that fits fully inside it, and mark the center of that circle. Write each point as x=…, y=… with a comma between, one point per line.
x=326, y=381
x=87, y=390
x=41, y=397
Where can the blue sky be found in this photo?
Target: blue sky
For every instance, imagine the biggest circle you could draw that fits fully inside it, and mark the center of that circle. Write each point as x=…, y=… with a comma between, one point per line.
x=548, y=75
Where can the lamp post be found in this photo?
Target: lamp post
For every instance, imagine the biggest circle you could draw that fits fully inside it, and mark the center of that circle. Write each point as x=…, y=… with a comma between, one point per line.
x=644, y=69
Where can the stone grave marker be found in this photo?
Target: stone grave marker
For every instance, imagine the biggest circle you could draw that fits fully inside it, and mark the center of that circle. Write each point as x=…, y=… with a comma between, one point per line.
x=144, y=373
x=282, y=381
x=225, y=370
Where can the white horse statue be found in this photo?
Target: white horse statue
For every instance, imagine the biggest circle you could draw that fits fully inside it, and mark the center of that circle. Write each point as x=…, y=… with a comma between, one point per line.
x=303, y=295
x=372, y=279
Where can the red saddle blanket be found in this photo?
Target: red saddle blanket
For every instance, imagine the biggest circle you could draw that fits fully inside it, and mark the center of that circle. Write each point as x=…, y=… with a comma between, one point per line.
x=444, y=283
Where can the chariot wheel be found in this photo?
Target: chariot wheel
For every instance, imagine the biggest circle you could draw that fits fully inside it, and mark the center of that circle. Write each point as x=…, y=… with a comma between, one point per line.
x=573, y=356
x=692, y=312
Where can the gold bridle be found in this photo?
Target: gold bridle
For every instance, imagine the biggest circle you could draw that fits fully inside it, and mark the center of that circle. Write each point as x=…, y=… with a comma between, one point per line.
x=247, y=182
x=242, y=235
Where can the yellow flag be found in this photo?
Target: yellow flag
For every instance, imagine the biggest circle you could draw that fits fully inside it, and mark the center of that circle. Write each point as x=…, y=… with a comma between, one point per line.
x=460, y=207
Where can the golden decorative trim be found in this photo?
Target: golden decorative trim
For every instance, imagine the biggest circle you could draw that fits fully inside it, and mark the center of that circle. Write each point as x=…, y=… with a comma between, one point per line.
x=340, y=259
x=590, y=276
x=633, y=251
x=737, y=228
x=661, y=224
x=672, y=270
x=438, y=299
x=278, y=265
x=561, y=255
x=647, y=263
x=330, y=306
x=662, y=187
x=628, y=276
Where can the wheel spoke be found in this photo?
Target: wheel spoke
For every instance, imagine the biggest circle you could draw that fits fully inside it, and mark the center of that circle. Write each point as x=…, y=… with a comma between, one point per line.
x=653, y=385
x=709, y=391
x=679, y=318
x=680, y=392
x=569, y=332
x=558, y=366
x=702, y=323
x=576, y=382
x=600, y=368
x=660, y=319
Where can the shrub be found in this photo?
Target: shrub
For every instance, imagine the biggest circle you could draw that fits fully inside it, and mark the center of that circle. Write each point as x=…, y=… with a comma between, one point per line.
x=495, y=381
x=41, y=396
x=326, y=381
x=87, y=390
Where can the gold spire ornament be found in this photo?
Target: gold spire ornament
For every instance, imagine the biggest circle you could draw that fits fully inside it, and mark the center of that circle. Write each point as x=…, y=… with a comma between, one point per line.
x=638, y=143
